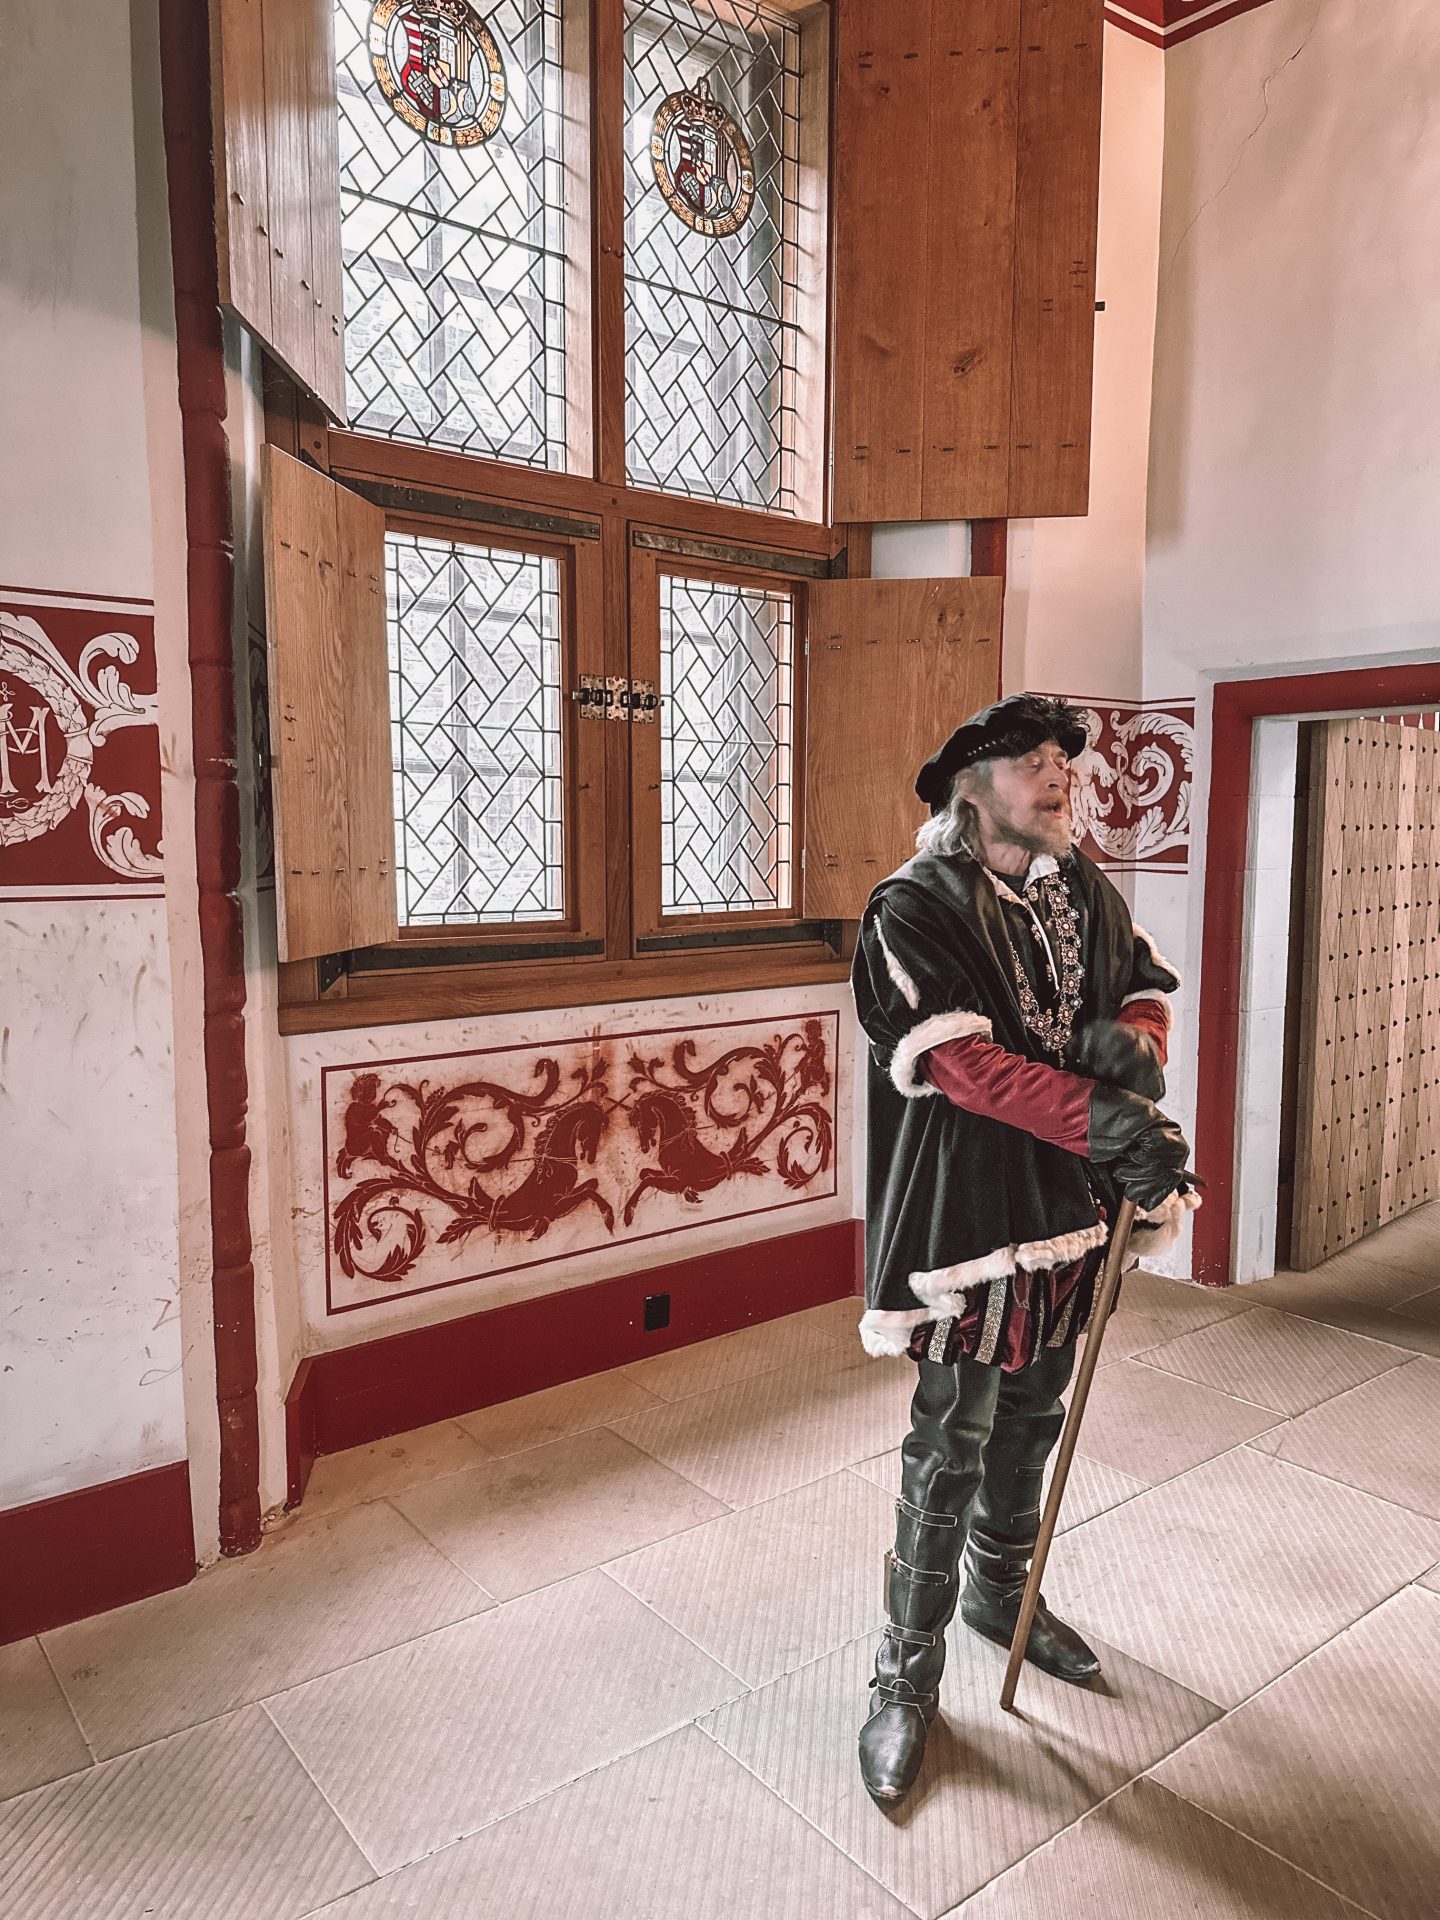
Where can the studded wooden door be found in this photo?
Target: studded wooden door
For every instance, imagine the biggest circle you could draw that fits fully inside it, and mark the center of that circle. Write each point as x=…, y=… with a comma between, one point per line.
x=1368, y=1107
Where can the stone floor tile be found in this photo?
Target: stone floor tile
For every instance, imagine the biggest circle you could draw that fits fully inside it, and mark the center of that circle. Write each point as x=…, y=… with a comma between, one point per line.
x=771, y=1587
x=317, y=1594
x=1415, y=1323
x=1379, y=1437
x=1336, y=1766
x=1151, y=1426
x=838, y=1320
x=39, y=1739
x=520, y=1522
x=1229, y=1574
x=1276, y=1360
x=995, y=1785
x=1147, y=1852
x=419, y=1746
x=1314, y=1293
x=219, y=1823
x=1153, y=1309
x=677, y=1831
x=761, y=1437
x=388, y=1466
x=731, y=1357
x=1091, y=1488
x=554, y=1414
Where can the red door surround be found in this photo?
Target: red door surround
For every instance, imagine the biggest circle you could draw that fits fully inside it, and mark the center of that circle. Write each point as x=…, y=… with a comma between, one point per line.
x=1238, y=705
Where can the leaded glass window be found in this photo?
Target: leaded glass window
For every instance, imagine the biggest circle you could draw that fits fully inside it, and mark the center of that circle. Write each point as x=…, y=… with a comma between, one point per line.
x=710, y=313
x=453, y=239
x=475, y=704
x=726, y=715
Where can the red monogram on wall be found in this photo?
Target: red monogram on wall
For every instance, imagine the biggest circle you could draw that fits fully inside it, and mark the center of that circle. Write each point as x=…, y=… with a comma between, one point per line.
x=456, y=1172
x=1132, y=787
x=79, y=751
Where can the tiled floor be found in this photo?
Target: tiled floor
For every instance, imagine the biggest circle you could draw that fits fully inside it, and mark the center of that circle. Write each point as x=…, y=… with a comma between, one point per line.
x=603, y=1652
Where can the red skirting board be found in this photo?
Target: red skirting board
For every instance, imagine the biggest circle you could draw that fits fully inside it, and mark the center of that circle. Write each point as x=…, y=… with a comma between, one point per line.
x=353, y=1395
x=100, y=1547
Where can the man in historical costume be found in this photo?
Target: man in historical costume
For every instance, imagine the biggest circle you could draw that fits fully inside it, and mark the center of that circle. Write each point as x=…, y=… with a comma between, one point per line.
x=1017, y=1021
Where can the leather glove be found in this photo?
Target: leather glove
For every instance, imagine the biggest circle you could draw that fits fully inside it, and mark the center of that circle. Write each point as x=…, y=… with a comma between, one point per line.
x=1143, y=1148
x=1153, y=1167
x=1122, y=1056
x=1117, y=1120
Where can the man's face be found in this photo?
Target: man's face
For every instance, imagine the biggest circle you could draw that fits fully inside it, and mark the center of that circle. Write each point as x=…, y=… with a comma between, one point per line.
x=1027, y=800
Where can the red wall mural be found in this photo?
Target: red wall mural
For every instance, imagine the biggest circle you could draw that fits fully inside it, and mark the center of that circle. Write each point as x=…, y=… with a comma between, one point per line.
x=1133, y=784
x=79, y=749
x=462, y=1166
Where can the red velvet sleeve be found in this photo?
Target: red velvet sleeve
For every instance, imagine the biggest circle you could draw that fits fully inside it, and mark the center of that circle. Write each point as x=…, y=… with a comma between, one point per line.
x=1150, y=1018
x=983, y=1078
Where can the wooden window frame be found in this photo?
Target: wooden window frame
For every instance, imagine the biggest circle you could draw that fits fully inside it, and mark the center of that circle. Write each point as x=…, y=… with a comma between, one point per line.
x=545, y=963
x=652, y=924
x=581, y=755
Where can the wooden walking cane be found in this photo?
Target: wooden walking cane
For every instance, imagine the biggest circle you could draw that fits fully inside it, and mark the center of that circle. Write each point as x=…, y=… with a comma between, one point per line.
x=1030, y=1599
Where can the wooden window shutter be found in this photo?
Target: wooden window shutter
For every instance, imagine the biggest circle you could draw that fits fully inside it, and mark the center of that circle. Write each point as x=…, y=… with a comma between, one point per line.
x=277, y=183
x=893, y=667
x=329, y=713
x=966, y=170
x=1057, y=197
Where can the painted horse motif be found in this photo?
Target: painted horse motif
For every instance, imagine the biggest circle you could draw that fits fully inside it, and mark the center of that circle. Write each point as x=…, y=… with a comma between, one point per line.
x=553, y=1186
x=666, y=1126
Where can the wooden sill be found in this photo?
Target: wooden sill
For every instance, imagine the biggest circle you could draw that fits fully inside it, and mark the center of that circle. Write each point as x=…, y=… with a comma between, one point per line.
x=385, y=999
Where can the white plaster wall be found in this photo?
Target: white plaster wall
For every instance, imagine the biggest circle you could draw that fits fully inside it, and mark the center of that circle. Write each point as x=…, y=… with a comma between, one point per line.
x=308, y=1054
x=1075, y=589
x=92, y=1387
x=1293, y=469
x=920, y=550
x=1294, y=464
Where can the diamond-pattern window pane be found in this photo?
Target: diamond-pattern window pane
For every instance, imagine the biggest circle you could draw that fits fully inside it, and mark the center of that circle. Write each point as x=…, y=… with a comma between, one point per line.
x=709, y=335
x=475, y=728
x=454, y=258
x=726, y=744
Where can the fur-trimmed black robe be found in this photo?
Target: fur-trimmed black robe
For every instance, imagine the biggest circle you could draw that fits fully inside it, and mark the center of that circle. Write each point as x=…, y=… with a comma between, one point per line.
x=955, y=1199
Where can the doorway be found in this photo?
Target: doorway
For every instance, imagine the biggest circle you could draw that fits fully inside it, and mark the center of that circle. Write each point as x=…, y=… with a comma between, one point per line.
x=1338, y=1072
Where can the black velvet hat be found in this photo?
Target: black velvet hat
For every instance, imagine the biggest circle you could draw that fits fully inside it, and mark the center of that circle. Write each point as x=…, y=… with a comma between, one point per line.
x=1001, y=732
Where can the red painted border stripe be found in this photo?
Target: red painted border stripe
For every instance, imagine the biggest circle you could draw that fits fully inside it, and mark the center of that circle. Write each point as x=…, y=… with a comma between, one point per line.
x=1177, y=26
x=101, y=1547
x=66, y=598
x=357, y=1394
x=1152, y=36
x=1183, y=30
x=1237, y=706
x=185, y=112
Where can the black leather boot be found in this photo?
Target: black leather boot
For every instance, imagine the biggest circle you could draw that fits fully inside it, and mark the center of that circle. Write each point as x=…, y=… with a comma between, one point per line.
x=950, y=1417
x=920, y=1600
x=1006, y=1520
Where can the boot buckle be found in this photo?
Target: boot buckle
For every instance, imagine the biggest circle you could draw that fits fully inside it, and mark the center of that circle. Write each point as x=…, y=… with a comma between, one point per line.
x=911, y=1636
x=924, y=1516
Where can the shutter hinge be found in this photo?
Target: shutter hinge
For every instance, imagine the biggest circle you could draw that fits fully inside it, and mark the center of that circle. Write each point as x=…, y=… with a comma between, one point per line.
x=613, y=697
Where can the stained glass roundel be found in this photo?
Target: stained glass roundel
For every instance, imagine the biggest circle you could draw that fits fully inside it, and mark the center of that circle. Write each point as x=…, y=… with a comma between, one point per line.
x=702, y=161
x=439, y=68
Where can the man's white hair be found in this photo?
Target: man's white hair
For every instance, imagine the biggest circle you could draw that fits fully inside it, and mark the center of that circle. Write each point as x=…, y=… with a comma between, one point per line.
x=953, y=829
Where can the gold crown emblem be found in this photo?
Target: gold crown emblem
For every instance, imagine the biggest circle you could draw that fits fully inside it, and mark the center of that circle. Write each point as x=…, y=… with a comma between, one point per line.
x=456, y=12
x=699, y=103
